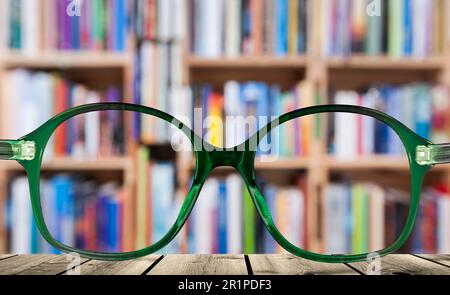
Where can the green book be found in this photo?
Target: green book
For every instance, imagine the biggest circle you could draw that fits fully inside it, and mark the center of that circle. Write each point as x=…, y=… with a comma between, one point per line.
x=249, y=223
x=374, y=40
x=395, y=30
x=360, y=217
x=15, y=24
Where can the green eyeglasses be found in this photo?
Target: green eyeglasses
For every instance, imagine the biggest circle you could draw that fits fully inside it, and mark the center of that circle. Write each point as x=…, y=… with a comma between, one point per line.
x=421, y=155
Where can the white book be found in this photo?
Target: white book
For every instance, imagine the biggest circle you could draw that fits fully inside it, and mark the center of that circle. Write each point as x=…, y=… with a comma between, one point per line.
x=420, y=27
x=22, y=98
x=4, y=25
x=346, y=127
x=234, y=214
x=335, y=218
x=49, y=212
x=178, y=13
x=30, y=21
x=232, y=27
x=443, y=224
x=204, y=227
x=376, y=217
x=176, y=65
x=326, y=29
x=147, y=85
x=165, y=19
x=43, y=86
x=296, y=214
x=368, y=123
x=162, y=91
x=212, y=12
x=21, y=215
x=234, y=130
x=92, y=127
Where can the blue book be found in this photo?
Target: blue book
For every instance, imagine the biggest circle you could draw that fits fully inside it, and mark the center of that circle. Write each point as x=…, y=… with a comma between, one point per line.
x=121, y=25
x=222, y=218
x=270, y=195
x=281, y=29
x=395, y=109
x=381, y=129
x=407, y=28
x=75, y=32
x=65, y=209
x=423, y=107
x=137, y=96
x=113, y=219
x=162, y=194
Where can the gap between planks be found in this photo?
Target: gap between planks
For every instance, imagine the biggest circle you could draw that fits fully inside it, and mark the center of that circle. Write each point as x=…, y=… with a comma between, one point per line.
x=406, y=264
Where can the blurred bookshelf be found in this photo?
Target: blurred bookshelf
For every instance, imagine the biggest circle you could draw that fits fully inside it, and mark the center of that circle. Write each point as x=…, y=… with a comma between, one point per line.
x=165, y=66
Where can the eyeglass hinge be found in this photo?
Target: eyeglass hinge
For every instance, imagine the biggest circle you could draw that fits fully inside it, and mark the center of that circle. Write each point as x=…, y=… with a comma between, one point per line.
x=24, y=150
x=433, y=154
x=423, y=155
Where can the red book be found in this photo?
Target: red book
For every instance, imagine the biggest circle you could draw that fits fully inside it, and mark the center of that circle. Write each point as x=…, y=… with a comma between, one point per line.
x=61, y=104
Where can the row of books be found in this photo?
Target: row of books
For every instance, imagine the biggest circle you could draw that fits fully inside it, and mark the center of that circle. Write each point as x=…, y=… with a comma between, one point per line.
x=248, y=27
x=35, y=97
x=366, y=217
x=78, y=213
x=421, y=107
x=158, y=83
x=257, y=104
x=224, y=219
x=397, y=28
x=85, y=214
x=160, y=20
x=31, y=26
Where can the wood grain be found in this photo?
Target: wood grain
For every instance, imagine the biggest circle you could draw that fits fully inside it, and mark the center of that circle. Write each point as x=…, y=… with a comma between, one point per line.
x=288, y=264
x=438, y=258
x=127, y=267
x=23, y=263
x=402, y=264
x=201, y=265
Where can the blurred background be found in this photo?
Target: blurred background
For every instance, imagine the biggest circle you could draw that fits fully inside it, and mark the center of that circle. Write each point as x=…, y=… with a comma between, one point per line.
x=112, y=182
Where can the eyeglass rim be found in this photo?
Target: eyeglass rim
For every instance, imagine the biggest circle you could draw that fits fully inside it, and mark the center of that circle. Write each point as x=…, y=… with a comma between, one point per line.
x=207, y=160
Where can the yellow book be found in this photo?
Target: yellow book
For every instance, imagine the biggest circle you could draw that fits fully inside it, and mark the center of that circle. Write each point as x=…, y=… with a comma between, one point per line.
x=293, y=26
x=216, y=123
x=142, y=200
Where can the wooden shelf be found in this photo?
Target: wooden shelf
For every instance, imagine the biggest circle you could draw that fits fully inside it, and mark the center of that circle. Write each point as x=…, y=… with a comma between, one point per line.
x=82, y=164
x=386, y=62
x=60, y=60
x=372, y=162
x=289, y=62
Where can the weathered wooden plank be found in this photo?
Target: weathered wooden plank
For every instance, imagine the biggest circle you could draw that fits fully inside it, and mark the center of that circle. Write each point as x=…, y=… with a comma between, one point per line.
x=439, y=258
x=201, y=264
x=126, y=267
x=405, y=264
x=288, y=264
x=18, y=264
x=56, y=265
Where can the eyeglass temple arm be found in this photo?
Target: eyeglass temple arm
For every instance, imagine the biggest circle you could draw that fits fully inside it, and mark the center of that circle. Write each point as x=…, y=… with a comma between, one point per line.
x=17, y=150
x=433, y=154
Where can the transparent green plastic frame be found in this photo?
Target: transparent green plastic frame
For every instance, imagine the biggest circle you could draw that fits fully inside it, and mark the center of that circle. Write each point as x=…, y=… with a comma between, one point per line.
x=29, y=149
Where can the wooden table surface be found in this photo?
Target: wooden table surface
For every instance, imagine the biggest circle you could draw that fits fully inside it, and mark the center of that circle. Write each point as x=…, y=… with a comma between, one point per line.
x=257, y=264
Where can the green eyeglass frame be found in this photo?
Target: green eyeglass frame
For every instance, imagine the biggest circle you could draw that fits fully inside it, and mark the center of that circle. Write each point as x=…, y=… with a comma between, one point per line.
x=29, y=149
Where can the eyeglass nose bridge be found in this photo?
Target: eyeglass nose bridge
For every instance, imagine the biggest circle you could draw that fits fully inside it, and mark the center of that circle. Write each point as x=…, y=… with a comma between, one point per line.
x=230, y=158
